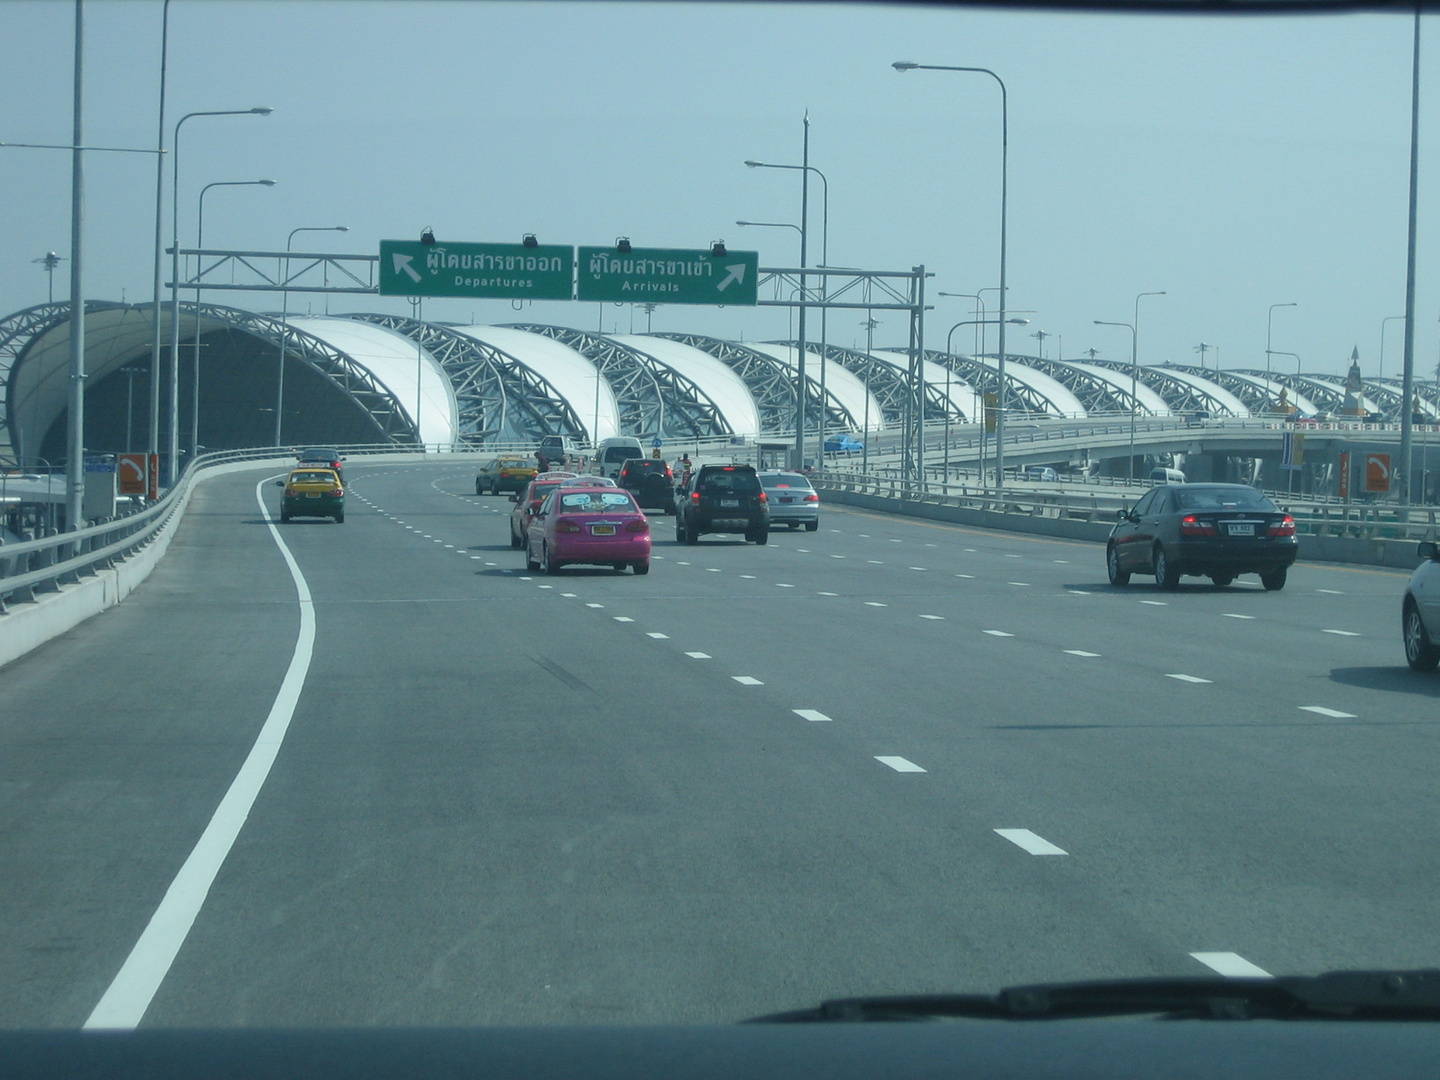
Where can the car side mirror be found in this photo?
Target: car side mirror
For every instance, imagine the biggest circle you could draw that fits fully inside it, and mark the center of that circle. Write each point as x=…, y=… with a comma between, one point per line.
x=515, y=497
x=1122, y=514
x=279, y=483
x=1427, y=549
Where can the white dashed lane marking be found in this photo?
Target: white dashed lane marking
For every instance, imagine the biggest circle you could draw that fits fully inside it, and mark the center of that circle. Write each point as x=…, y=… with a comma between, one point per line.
x=875, y=603
x=1081, y=652
x=1231, y=965
x=1341, y=633
x=1334, y=714
x=1155, y=603
x=1232, y=615
x=595, y=605
x=813, y=715
x=997, y=633
x=940, y=618
x=1186, y=678
x=698, y=655
x=899, y=764
x=1028, y=841
x=623, y=618
x=657, y=635
x=746, y=680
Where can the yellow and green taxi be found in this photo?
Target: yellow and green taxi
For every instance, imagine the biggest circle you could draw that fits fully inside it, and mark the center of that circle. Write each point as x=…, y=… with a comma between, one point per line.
x=312, y=492
x=505, y=473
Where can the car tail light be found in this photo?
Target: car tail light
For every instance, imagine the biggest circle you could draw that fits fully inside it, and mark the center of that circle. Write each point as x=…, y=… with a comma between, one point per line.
x=1190, y=525
x=764, y=497
x=566, y=526
x=339, y=491
x=640, y=525
x=812, y=497
x=668, y=474
x=695, y=497
x=1284, y=527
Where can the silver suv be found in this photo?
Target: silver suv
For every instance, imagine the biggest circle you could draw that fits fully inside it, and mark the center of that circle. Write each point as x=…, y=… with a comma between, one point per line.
x=1420, y=611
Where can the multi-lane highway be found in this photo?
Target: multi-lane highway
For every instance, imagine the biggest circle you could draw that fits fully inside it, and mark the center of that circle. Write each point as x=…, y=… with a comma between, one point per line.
x=888, y=756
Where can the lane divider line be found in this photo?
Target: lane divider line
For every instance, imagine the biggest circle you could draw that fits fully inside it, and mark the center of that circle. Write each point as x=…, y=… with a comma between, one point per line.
x=899, y=764
x=1028, y=841
x=1334, y=714
x=1231, y=965
x=813, y=715
x=125, y=1001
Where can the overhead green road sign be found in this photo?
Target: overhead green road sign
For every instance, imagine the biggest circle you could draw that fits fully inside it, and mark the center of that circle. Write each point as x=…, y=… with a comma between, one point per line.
x=495, y=271
x=668, y=276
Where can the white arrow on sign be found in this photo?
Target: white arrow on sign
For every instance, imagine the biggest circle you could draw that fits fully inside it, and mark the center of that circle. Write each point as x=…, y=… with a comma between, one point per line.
x=402, y=264
x=736, y=274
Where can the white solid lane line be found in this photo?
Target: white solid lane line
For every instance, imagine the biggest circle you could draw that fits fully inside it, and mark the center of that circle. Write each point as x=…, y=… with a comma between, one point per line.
x=746, y=680
x=813, y=715
x=1081, y=652
x=1231, y=965
x=1186, y=678
x=124, y=1003
x=899, y=764
x=1334, y=714
x=1035, y=845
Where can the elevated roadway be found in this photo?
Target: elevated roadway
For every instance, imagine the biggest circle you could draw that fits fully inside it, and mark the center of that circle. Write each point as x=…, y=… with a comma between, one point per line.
x=891, y=756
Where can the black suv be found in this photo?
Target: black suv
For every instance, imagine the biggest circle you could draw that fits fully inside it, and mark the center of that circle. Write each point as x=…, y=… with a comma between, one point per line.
x=651, y=482
x=722, y=499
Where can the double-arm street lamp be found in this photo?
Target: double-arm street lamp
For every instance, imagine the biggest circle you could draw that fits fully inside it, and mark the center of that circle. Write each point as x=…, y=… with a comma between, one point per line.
x=174, y=443
x=199, y=271
x=949, y=338
x=906, y=65
x=285, y=328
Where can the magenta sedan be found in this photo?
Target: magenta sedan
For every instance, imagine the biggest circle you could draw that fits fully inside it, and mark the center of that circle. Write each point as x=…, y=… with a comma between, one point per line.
x=601, y=525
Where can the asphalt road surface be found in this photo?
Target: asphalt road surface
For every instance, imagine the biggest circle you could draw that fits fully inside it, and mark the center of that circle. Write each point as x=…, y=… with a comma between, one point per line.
x=890, y=756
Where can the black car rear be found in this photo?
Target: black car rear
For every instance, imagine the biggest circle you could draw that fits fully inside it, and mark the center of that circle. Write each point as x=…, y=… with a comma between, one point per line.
x=651, y=482
x=723, y=499
x=1214, y=530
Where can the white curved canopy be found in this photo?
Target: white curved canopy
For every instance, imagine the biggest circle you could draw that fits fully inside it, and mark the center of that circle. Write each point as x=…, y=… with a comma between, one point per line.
x=845, y=387
x=1273, y=388
x=720, y=384
x=963, y=397
x=395, y=362
x=1232, y=404
x=573, y=377
x=1056, y=393
x=1152, y=402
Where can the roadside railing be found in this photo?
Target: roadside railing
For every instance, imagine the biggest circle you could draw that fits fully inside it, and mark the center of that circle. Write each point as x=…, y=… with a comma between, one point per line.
x=1367, y=522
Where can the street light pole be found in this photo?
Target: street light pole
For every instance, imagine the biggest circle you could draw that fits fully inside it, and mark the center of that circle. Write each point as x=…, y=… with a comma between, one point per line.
x=129, y=371
x=1269, y=326
x=824, y=261
x=154, y=441
x=174, y=442
x=948, y=346
x=904, y=65
x=285, y=318
x=199, y=271
x=1389, y=318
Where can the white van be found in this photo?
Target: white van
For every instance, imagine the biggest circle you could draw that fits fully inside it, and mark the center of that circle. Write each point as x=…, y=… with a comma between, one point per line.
x=611, y=455
x=1166, y=476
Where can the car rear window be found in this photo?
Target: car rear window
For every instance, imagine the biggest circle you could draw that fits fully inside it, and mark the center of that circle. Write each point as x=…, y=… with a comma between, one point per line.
x=321, y=477
x=730, y=481
x=1222, y=499
x=619, y=453
x=784, y=480
x=595, y=502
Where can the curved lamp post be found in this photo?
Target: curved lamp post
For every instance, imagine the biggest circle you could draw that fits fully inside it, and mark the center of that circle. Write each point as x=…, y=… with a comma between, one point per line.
x=285, y=317
x=906, y=65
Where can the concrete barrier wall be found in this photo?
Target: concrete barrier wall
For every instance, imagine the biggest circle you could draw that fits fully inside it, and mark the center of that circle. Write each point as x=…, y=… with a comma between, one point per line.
x=1396, y=554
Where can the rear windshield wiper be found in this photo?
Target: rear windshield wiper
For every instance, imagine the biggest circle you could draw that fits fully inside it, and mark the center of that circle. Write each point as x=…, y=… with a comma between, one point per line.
x=1338, y=995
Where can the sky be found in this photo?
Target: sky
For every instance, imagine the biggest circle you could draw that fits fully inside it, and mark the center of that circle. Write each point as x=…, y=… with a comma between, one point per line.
x=1230, y=162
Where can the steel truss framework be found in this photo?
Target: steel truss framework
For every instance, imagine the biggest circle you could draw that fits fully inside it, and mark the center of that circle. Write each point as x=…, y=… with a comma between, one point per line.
x=770, y=382
x=16, y=332
x=1182, y=396
x=494, y=392
x=654, y=400
x=1097, y=395
x=889, y=384
x=294, y=271
x=986, y=380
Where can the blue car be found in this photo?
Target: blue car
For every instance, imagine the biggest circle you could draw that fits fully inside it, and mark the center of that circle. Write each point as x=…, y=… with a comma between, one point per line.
x=843, y=444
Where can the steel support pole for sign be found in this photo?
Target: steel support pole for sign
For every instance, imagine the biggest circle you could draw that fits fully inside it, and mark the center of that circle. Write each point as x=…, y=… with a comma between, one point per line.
x=154, y=439
x=804, y=296
x=1407, y=392
x=75, y=469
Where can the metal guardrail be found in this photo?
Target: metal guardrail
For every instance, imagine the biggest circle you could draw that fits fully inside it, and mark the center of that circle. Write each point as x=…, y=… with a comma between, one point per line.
x=1365, y=522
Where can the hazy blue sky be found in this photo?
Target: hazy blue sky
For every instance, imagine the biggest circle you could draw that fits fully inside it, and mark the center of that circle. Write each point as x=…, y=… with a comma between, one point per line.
x=1233, y=162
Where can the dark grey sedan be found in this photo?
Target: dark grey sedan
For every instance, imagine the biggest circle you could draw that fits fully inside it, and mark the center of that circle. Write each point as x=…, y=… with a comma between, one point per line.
x=1217, y=531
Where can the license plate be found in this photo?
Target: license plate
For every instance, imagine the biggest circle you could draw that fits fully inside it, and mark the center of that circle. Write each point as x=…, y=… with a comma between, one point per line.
x=312, y=494
x=729, y=502
x=1241, y=528
x=786, y=499
x=602, y=530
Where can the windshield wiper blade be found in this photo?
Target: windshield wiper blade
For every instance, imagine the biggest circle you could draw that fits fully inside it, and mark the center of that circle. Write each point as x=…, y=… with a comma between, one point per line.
x=1338, y=995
